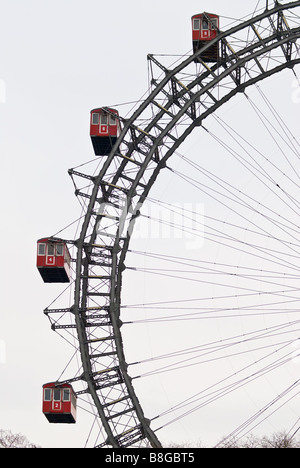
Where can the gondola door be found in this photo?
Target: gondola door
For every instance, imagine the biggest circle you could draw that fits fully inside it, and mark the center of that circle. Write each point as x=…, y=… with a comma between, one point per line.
x=204, y=29
x=103, y=123
x=56, y=401
x=50, y=255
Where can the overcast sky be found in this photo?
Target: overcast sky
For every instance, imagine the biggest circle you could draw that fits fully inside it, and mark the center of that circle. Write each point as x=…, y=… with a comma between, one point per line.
x=59, y=60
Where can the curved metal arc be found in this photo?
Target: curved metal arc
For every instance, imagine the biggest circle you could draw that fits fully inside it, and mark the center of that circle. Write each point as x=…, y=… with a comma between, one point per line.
x=191, y=59
x=118, y=263
x=88, y=374
x=115, y=313
x=195, y=97
x=171, y=73
x=84, y=352
x=194, y=124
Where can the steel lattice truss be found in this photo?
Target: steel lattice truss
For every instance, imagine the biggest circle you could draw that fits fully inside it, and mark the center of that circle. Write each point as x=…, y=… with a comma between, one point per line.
x=180, y=100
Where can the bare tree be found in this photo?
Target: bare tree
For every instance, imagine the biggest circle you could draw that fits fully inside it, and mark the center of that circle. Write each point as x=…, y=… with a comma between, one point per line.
x=10, y=440
x=278, y=440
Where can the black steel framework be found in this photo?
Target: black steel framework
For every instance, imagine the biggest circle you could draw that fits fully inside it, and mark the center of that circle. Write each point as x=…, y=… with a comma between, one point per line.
x=250, y=52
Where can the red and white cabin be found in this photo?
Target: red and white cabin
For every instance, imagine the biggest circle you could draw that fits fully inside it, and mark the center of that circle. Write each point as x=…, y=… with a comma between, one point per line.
x=53, y=260
x=104, y=130
x=205, y=27
x=59, y=403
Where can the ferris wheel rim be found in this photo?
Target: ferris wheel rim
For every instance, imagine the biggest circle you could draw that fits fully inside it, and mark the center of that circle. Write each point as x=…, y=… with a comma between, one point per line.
x=118, y=259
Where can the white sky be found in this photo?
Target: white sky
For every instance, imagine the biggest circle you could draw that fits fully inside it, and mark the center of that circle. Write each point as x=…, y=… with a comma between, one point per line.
x=59, y=60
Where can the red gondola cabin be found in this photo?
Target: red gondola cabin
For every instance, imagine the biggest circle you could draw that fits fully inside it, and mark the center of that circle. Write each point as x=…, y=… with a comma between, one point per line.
x=59, y=403
x=205, y=27
x=53, y=260
x=104, y=130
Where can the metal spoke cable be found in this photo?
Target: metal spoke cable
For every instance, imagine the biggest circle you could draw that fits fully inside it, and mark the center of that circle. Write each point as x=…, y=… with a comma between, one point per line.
x=207, y=189
x=174, y=104
x=241, y=141
x=225, y=389
x=212, y=266
x=262, y=250
x=282, y=292
x=185, y=363
x=183, y=212
x=236, y=198
x=232, y=189
x=256, y=172
x=291, y=140
x=269, y=126
x=215, y=346
x=239, y=431
x=190, y=222
x=217, y=394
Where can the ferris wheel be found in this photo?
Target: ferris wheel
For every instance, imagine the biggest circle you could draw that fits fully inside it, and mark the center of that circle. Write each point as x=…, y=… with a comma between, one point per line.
x=132, y=153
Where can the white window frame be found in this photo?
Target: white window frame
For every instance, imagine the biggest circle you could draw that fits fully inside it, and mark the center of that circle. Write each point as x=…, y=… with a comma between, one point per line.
x=205, y=21
x=58, y=254
x=196, y=20
x=39, y=250
x=215, y=24
x=63, y=394
x=104, y=118
x=96, y=114
x=50, y=394
x=51, y=246
x=56, y=391
x=112, y=120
